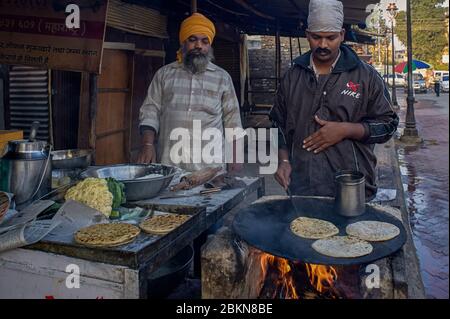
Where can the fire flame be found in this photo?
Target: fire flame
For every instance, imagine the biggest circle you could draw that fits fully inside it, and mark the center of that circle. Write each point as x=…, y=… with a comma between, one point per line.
x=321, y=277
x=285, y=279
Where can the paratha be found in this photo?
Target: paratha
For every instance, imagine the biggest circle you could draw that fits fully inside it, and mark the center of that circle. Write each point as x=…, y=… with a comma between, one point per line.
x=342, y=247
x=371, y=230
x=162, y=224
x=313, y=228
x=107, y=235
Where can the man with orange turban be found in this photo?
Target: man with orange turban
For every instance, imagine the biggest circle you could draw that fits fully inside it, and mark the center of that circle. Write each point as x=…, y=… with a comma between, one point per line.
x=184, y=94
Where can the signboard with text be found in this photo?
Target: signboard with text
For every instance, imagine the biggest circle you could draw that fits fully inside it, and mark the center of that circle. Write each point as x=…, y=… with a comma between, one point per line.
x=53, y=34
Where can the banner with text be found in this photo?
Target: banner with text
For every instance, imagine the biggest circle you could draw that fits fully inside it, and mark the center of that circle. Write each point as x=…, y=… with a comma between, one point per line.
x=53, y=34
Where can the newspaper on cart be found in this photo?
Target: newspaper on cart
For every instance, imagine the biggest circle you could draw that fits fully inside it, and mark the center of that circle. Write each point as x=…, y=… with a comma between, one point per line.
x=24, y=229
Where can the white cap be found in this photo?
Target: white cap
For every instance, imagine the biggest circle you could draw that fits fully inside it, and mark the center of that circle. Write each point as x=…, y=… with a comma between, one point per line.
x=325, y=16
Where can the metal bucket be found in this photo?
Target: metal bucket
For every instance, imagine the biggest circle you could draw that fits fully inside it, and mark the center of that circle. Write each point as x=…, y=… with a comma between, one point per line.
x=25, y=170
x=350, y=193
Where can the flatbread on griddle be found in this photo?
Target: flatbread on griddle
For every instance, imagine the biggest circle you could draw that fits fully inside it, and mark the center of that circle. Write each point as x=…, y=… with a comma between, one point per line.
x=313, y=228
x=342, y=247
x=163, y=224
x=107, y=235
x=371, y=230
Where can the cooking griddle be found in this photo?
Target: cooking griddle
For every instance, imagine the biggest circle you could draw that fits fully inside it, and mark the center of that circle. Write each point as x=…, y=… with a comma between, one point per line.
x=266, y=226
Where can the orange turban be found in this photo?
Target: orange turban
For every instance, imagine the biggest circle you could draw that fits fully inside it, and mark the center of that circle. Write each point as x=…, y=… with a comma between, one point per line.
x=196, y=24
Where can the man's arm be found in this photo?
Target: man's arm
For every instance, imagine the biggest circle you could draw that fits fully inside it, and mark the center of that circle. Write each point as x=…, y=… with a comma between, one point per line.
x=278, y=116
x=149, y=119
x=378, y=126
x=381, y=121
x=147, y=153
x=332, y=133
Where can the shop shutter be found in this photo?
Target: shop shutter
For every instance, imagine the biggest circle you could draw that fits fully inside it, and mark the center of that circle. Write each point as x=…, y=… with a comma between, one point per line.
x=136, y=19
x=29, y=100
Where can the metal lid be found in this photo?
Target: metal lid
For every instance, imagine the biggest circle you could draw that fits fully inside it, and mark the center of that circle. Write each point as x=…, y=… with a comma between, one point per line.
x=26, y=146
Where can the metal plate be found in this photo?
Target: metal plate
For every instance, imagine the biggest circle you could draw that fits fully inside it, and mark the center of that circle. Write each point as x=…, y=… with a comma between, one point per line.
x=266, y=226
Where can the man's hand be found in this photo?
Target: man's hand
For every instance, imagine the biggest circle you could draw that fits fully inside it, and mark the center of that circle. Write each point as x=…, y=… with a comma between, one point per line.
x=147, y=154
x=332, y=133
x=283, y=174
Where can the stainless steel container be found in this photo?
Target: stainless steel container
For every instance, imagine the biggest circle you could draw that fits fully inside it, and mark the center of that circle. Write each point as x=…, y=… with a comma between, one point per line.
x=71, y=159
x=133, y=176
x=25, y=170
x=350, y=193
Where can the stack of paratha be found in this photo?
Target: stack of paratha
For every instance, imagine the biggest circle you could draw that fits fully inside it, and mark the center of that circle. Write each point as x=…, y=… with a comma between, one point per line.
x=162, y=224
x=107, y=235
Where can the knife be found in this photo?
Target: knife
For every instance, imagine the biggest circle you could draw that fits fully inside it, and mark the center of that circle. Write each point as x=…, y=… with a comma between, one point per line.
x=288, y=191
x=202, y=193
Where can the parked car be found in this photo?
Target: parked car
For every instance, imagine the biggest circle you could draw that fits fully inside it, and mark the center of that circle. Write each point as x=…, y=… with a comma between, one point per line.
x=439, y=74
x=399, y=80
x=419, y=84
x=444, y=83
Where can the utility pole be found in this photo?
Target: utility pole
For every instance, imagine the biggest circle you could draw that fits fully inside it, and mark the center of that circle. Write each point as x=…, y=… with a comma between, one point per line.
x=410, y=133
x=392, y=9
x=379, y=33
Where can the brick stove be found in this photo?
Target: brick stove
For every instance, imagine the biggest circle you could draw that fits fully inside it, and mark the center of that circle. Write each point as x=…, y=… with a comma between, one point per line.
x=232, y=269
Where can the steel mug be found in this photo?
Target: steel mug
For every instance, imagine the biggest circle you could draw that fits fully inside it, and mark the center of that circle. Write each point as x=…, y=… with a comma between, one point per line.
x=350, y=193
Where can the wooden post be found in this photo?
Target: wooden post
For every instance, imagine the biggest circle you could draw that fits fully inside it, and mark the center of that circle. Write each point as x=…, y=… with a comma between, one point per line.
x=277, y=57
x=50, y=109
x=290, y=49
x=93, y=90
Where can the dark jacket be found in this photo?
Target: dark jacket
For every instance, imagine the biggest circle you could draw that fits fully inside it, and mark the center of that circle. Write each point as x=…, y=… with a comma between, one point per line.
x=353, y=92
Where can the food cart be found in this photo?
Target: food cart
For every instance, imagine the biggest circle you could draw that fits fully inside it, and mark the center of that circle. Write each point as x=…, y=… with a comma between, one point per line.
x=58, y=267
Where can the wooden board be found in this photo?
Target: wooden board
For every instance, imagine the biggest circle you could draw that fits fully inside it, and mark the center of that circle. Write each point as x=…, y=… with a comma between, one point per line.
x=113, y=113
x=40, y=275
x=6, y=136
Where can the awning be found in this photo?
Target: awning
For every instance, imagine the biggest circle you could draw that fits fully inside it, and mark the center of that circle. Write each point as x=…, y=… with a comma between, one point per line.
x=265, y=17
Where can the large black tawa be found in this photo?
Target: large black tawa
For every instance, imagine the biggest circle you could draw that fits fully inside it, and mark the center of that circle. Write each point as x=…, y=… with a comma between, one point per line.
x=266, y=226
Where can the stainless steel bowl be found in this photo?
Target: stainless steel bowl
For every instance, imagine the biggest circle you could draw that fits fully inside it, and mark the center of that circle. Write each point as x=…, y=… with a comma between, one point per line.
x=136, y=187
x=71, y=159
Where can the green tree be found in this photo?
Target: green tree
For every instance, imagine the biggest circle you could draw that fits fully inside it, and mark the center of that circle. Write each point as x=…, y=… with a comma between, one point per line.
x=429, y=31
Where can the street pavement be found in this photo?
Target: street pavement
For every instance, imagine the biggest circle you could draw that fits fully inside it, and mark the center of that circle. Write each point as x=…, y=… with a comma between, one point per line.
x=425, y=177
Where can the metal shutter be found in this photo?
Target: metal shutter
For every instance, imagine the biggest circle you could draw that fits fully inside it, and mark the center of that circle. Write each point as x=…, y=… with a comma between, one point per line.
x=136, y=19
x=29, y=99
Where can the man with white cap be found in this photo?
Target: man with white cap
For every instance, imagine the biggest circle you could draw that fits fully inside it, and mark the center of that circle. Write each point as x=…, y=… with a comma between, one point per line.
x=331, y=108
